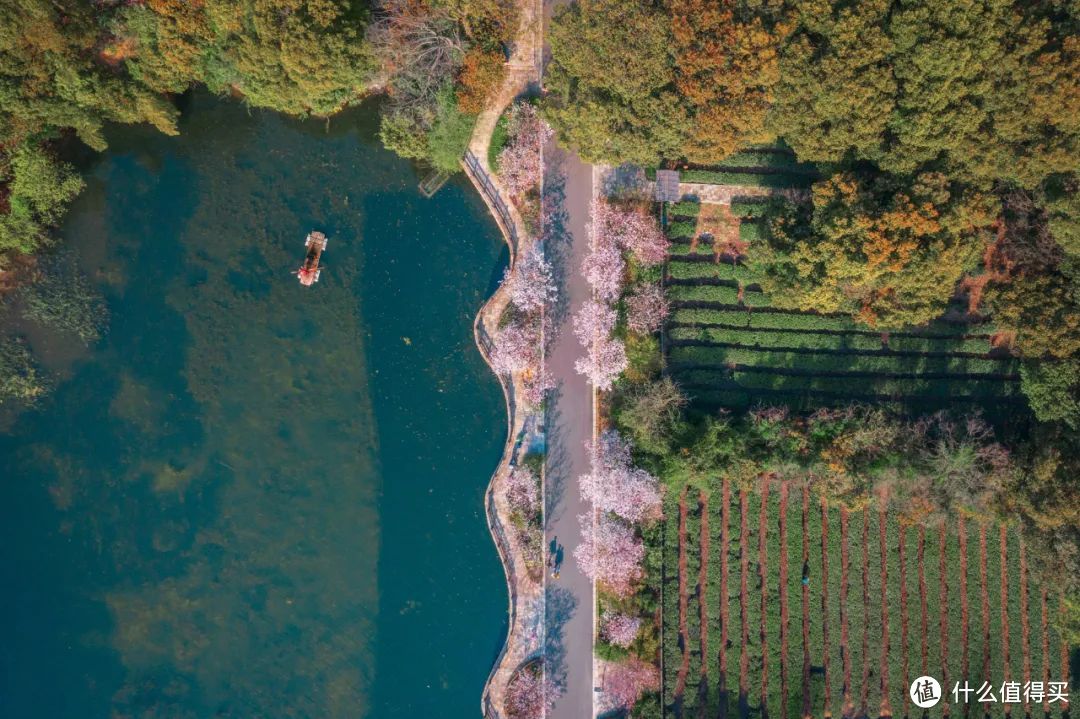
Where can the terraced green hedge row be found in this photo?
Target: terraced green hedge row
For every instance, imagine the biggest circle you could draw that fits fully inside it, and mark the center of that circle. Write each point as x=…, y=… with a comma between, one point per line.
x=698, y=381
x=761, y=320
x=811, y=340
x=803, y=340
x=681, y=229
x=747, y=208
x=746, y=179
x=686, y=208
x=713, y=293
x=705, y=270
x=810, y=363
x=764, y=158
x=744, y=348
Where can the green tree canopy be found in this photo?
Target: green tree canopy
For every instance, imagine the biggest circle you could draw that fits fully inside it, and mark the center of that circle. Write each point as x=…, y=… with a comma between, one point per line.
x=887, y=253
x=610, y=82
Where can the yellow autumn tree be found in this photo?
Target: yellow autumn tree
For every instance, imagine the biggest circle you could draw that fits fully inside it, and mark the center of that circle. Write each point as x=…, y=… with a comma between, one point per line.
x=886, y=253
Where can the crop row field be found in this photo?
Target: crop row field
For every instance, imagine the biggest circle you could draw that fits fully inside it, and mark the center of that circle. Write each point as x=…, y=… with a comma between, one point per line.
x=882, y=603
x=726, y=345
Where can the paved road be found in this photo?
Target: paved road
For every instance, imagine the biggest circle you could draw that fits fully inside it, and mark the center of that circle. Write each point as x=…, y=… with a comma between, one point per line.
x=569, y=598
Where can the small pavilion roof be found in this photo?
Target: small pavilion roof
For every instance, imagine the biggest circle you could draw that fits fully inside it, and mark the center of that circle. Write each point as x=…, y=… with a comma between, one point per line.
x=667, y=186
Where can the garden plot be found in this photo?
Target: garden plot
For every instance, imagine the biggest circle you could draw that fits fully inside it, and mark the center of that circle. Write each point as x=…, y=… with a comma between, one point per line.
x=726, y=345
x=883, y=602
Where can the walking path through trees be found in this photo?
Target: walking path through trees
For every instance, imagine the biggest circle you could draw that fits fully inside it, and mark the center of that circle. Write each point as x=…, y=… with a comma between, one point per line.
x=551, y=617
x=568, y=186
x=526, y=598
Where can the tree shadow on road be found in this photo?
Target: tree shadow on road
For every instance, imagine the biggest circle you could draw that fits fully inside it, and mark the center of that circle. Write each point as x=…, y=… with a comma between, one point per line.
x=560, y=607
x=558, y=241
x=557, y=467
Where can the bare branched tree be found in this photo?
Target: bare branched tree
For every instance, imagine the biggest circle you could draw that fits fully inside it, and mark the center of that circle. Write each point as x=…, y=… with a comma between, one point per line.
x=421, y=47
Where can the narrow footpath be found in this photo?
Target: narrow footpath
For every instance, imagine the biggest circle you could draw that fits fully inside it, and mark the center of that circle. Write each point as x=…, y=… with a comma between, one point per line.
x=569, y=425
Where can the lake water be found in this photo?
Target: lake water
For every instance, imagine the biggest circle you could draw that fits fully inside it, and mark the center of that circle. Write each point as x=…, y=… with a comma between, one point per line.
x=253, y=499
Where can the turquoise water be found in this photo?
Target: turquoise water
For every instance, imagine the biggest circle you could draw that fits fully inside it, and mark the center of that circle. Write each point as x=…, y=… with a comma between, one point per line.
x=253, y=499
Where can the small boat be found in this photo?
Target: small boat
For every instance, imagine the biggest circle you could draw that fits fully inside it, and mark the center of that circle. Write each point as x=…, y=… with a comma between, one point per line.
x=310, y=270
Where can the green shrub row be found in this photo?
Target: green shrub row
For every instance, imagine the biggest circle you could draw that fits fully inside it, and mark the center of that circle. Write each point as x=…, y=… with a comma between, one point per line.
x=708, y=293
x=693, y=610
x=672, y=656
x=686, y=208
x=748, y=208
x=698, y=270
x=714, y=293
x=763, y=320
x=838, y=363
x=802, y=340
x=935, y=337
x=720, y=270
x=746, y=179
x=681, y=229
x=855, y=340
x=761, y=158
x=751, y=231
x=979, y=345
x=721, y=378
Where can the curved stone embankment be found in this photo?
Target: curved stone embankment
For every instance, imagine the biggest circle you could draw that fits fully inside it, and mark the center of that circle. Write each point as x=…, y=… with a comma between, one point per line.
x=524, y=638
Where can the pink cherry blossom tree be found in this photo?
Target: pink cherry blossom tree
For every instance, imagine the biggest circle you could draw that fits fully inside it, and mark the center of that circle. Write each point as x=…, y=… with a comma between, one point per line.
x=629, y=492
x=523, y=491
x=603, y=269
x=595, y=320
x=646, y=309
x=516, y=347
x=615, y=485
x=530, y=284
x=610, y=451
x=528, y=694
x=604, y=360
x=625, y=682
x=610, y=553
x=619, y=629
x=521, y=163
x=630, y=229
x=535, y=386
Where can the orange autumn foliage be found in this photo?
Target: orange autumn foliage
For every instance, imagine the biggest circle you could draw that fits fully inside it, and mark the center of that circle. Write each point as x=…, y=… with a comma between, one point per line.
x=725, y=71
x=480, y=74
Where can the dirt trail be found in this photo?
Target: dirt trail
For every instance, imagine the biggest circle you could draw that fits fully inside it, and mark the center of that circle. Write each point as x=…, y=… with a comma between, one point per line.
x=1003, y=556
x=865, y=612
x=684, y=604
x=1045, y=628
x=825, y=648
x=1025, y=622
x=805, y=606
x=703, y=576
x=783, y=599
x=965, y=623
x=904, y=670
x=744, y=591
x=763, y=564
x=943, y=611
x=725, y=514
x=923, y=629
x=984, y=595
x=886, y=708
x=848, y=709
